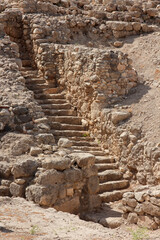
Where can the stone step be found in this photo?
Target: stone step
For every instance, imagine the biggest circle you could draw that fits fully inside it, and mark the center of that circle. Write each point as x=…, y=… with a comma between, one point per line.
x=38, y=86
x=106, y=166
x=86, y=148
x=113, y=185
x=51, y=101
x=60, y=126
x=65, y=119
x=59, y=112
x=98, y=153
x=50, y=96
x=26, y=63
x=29, y=68
x=111, y=196
x=56, y=106
x=105, y=159
x=34, y=81
x=30, y=72
x=109, y=175
x=84, y=143
x=79, y=139
x=67, y=133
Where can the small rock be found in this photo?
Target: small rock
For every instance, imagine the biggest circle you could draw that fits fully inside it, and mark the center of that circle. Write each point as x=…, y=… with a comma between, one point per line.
x=111, y=222
x=64, y=143
x=132, y=218
x=34, y=151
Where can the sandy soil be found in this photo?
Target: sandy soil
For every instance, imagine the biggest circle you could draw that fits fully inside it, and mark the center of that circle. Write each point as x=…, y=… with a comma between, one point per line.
x=22, y=220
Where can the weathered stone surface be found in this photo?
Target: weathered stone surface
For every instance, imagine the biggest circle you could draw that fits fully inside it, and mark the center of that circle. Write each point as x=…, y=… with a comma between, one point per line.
x=111, y=222
x=24, y=168
x=5, y=170
x=17, y=190
x=83, y=159
x=64, y=143
x=73, y=175
x=151, y=209
x=34, y=151
x=50, y=177
x=120, y=116
x=93, y=185
x=71, y=206
x=44, y=196
x=45, y=138
x=132, y=218
x=58, y=163
x=148, y=222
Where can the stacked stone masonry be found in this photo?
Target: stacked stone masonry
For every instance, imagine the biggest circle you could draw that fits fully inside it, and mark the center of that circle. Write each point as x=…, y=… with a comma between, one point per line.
x=142, y=207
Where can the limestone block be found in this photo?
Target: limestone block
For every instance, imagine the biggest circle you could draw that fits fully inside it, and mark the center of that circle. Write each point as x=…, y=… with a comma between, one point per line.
x=64, y=143
x=132, y=218
x=139, y=196
x=151, y=209
x=83, y=159
x=128, y=195
x=91, y=171
x=5, y=170
x=45, y=138
x=148, y=222
x=17, y=190
x=139, y=209
x=50, y=177
x=44, y=196
x=4, y=191
x=25, y=168
x=93, y=185
x=34, y=151
x=73, y=175
x=131, y=202
x=71, y=205
x=58, y=163
x=120, y=116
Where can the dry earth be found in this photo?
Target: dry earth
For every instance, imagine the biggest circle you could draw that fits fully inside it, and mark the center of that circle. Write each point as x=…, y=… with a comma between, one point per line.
x=22, y=220
x=145, y=102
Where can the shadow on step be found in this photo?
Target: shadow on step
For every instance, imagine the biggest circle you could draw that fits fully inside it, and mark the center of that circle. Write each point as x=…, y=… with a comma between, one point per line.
x=106, y=211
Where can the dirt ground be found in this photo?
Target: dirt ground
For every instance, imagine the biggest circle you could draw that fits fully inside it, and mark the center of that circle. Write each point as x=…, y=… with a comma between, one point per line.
x=145, y=101
x=22, y=220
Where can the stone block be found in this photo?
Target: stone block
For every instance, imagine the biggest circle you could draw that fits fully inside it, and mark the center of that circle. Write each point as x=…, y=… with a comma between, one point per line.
x=45, y=138
x=25, y=168
x=64, y=143
x=93, y=185
x=50, y=177
x=34, y=151
x=17, y=190
x=73, y=175
x=58, y=163
x=70, y=206
x=83, y=159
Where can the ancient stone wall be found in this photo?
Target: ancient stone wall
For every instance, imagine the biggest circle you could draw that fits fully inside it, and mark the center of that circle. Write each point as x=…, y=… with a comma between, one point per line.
x=64, y=180
x=142, y=207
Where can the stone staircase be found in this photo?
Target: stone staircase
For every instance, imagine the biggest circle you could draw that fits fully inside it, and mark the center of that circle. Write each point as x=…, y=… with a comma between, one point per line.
x=64, y=122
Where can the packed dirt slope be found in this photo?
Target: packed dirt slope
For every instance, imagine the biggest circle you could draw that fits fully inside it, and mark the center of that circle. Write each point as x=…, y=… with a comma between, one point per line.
x=145, y=102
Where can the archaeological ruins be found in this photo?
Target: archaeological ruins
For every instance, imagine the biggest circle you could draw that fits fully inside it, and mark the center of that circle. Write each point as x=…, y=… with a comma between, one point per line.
x=67, y=141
